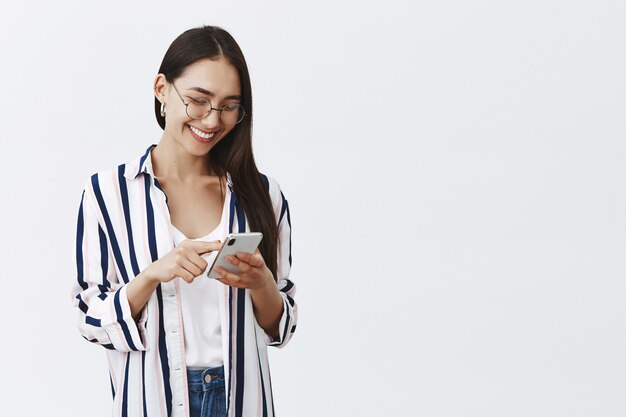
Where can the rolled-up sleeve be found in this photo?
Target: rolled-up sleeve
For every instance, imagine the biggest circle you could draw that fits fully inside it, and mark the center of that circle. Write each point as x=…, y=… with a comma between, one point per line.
x=286, y=287
x=104, y=315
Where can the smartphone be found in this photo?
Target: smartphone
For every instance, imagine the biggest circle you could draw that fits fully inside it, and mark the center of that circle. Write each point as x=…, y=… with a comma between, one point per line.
x=235, y=242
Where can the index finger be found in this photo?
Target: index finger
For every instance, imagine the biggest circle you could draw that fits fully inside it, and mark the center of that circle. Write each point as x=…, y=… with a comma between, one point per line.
x=204, y=247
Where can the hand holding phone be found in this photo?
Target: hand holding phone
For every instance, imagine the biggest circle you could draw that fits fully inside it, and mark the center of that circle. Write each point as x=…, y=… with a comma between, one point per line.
x=234, y=243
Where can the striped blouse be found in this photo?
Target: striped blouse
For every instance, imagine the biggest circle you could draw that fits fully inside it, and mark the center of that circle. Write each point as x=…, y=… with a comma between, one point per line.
x=123, y=226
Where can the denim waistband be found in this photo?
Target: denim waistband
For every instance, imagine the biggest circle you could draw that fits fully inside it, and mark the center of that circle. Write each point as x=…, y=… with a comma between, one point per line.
x=205, y=379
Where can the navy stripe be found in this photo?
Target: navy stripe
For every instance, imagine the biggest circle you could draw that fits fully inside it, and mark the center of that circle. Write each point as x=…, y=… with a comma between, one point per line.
x=143, y=382
x=241, y=311
x=231, y=217
x=92, y=321
x=284, y=207
x=80, y=231
x=293, y=328
x=106, y=345
x=142, y=160
x=129, y=228
x=102, y=296
x=158, y=185
x=265, y=181
x=112, y=387
x=287, y=287
x=152, y=244
x=91, y=340
x=150, y=218
x=241, y=314
x=120, y=320
x=104, y=257
x=289, y=223
x=241, y=218
x=165, y=366
x=125, y=391
x=81, y=304
x=290, y=300
x=107, y=221
x=285, y=330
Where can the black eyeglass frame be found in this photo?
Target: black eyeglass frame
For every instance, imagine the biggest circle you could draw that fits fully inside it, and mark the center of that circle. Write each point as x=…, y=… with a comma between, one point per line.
x=241, y=108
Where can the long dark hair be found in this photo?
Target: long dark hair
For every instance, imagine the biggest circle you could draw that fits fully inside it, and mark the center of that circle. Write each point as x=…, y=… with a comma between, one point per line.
x=233, y=153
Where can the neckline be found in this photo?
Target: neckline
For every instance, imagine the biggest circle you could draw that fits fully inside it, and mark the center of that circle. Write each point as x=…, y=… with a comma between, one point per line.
x=184, y=236
x=216, y=229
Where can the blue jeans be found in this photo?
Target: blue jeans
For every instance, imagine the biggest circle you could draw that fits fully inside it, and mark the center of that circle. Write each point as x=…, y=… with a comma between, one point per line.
x=207, y=394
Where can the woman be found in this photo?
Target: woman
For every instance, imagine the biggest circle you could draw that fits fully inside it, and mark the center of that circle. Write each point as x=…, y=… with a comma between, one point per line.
x=178, y=342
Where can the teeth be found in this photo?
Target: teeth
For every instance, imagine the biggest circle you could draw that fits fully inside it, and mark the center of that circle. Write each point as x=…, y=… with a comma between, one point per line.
x=201, y=134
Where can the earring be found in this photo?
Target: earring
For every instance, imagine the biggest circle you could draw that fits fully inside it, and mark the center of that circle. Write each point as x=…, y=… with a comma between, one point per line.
x=162, y=109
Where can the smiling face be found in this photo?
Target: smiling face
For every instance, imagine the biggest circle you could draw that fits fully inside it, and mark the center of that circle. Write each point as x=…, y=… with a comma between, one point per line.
x=205, y=79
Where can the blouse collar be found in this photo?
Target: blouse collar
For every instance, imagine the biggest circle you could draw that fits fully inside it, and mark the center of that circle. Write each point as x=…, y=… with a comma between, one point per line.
x=143, y=164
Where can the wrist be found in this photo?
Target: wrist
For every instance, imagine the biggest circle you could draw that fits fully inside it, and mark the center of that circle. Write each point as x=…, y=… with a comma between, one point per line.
x=148, y=278
x=268, y=284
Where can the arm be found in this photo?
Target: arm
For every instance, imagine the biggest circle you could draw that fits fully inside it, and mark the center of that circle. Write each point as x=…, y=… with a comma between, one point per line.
x=104, y=313
x=139, y=291
x=268, y=307
x=284, y=287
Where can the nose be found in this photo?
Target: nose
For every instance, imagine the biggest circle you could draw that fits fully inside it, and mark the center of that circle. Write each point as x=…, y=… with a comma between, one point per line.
x=212, y=120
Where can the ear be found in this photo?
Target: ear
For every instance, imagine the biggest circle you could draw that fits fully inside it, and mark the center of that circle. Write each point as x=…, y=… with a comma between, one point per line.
x=160, y=88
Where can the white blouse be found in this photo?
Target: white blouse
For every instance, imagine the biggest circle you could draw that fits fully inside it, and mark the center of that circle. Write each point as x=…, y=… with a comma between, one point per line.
x=200, y=305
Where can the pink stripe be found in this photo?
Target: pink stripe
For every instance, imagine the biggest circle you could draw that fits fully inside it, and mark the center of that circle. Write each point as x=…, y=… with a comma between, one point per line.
x=260, y=390
x=121, y=384
x=226, y=371
x=112, y=370
x=144, y=221
x=135, y=167
x=139, y=390
x=181, y=339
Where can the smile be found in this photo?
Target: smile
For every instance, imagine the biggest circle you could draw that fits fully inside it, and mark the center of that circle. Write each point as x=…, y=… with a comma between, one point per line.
x=200, y=134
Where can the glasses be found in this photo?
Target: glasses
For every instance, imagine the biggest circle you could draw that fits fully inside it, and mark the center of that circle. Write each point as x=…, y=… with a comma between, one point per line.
x=199, y=108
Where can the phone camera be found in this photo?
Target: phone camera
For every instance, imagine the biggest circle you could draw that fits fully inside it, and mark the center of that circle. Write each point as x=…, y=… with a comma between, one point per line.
x=231, y=242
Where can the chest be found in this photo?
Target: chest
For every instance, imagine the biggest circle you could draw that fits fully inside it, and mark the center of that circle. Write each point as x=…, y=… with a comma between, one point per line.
x=196, y=210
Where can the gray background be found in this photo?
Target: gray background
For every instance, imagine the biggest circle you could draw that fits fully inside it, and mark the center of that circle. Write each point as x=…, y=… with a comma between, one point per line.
x=455, y=172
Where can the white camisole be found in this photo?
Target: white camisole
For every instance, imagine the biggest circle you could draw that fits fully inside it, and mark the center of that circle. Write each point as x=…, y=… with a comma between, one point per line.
x=199, y=304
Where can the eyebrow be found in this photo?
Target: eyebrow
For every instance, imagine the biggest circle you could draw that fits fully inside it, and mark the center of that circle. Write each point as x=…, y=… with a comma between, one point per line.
x=211, y=94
